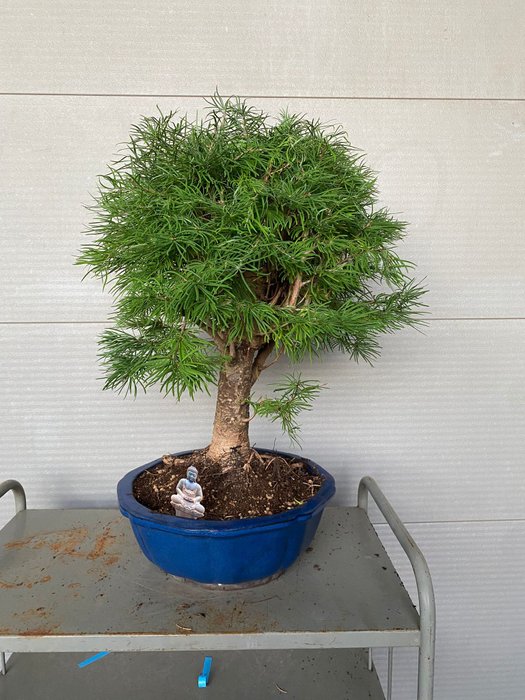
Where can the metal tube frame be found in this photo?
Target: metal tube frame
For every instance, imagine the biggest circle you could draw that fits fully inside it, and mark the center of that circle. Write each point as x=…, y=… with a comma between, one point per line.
x=20, y=504
x=18, y=491
x=425, y=589
x=389, y=676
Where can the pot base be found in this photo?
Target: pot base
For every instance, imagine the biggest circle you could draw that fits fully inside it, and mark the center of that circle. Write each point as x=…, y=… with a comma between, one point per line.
x=229, y=586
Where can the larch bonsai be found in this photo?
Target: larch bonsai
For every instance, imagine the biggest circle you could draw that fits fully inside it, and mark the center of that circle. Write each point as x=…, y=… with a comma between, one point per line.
x=231, y=241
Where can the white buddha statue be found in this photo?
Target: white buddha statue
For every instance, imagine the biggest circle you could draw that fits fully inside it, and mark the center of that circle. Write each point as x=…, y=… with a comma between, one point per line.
x=187, y=500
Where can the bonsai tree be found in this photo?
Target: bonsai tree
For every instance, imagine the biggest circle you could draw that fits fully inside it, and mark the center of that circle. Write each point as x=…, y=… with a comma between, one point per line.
x=232, y=241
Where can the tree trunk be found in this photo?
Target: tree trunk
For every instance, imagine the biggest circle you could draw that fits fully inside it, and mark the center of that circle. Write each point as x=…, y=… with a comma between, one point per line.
x=230, y=427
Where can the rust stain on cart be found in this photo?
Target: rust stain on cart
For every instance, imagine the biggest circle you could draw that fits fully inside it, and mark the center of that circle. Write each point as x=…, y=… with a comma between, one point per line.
x=102, y=542
x=110, y=560
x=39, y=631
x=72, y=542
x=23, y=584
x=10, y=584
x=31, y=613
x=60, y=542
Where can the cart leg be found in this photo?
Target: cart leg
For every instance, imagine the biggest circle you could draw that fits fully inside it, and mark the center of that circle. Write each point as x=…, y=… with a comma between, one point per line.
x=370, y=660
x=425, y=681
x=389, y=678
x=3, y=669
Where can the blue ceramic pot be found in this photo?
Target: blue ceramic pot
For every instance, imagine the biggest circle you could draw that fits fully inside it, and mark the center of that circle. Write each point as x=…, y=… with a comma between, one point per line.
x=226, y=552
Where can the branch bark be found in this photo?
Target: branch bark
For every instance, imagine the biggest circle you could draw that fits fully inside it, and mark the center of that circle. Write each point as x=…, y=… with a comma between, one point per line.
x=294, y=292
x=216, y=337
x=264, y=353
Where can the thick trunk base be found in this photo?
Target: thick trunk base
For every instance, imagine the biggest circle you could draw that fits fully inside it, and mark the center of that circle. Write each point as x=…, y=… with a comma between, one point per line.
x=230, y=442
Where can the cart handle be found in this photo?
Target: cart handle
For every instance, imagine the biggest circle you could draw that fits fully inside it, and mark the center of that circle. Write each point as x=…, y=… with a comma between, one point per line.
x=425, y=589
x=18, y=491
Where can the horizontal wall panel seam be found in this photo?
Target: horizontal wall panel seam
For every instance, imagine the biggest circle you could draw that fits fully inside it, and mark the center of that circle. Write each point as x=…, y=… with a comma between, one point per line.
x=265, y=97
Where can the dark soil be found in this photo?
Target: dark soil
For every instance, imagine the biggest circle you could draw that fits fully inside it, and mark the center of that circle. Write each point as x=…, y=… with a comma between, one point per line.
x=264, y=485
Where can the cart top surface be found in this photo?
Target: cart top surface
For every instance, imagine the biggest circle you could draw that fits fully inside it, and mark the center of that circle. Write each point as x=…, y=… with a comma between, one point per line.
x=80, y=573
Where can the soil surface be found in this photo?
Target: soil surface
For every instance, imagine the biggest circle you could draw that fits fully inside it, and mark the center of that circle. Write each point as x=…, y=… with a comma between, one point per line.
x=265, y=484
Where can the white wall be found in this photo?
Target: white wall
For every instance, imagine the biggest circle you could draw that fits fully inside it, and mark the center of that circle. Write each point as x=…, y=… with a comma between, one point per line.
x=433, y=92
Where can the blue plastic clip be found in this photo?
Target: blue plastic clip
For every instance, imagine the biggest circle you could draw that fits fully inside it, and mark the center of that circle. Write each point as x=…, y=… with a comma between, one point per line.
x=92, y=659
x=205, y=675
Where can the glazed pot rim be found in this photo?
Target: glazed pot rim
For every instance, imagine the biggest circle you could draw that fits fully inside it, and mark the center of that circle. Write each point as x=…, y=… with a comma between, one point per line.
x=131, y=508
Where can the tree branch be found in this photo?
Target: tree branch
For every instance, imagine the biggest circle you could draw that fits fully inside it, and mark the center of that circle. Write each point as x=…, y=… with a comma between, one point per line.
x=294, y=292
x=274, y=299
x=216, y=337
x=279, y=354
x=264, y=352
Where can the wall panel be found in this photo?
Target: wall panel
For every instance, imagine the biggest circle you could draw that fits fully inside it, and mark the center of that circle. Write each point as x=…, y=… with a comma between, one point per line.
x=443, y=166
x=331, y=48
x=438, y=421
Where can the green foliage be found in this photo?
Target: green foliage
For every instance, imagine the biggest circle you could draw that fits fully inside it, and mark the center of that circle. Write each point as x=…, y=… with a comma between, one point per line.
x=293, y=396
x=241, y=228
x=178, y=361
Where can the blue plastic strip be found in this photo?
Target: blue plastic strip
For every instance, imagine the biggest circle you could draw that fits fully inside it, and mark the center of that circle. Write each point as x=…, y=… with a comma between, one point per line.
x=92, y=659
x=205, y=675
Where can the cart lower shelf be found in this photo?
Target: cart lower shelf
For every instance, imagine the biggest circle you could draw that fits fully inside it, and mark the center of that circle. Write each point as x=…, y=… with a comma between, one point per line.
x=341, y=674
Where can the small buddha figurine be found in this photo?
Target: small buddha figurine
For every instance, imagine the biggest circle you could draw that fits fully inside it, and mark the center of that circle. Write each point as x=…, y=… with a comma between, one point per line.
x=187, y=500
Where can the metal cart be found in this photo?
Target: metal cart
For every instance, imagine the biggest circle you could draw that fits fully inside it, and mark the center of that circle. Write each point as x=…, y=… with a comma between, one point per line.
x=75, y=581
